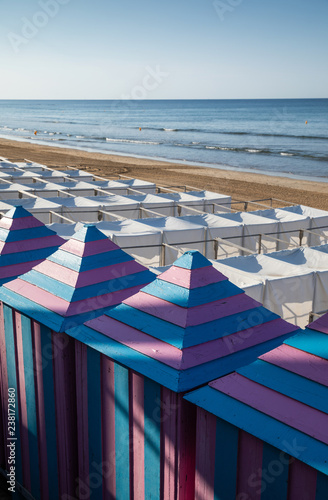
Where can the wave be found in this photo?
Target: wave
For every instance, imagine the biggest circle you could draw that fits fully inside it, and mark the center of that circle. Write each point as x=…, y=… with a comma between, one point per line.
x=236, y=132
x=108, y=139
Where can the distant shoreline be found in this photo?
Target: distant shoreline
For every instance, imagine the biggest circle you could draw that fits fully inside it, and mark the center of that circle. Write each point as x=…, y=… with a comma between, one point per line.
x=171, y=161
x=239, y=184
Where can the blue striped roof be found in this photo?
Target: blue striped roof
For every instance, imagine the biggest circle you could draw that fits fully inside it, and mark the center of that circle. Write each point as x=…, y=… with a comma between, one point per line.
x=281, y=398
x=80, y=279
x=189, y=326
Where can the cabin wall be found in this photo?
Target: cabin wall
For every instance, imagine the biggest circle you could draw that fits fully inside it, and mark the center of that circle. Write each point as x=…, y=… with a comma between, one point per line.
x=232, y=464
x=86, y=426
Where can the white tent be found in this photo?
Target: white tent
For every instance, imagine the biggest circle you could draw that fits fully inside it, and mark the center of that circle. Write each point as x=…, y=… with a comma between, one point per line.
x=255, y=225
x=290, y=225
x=153, y=202
x=64, y=230
x=32, y=166
x=77, y=209
x=7, y=164
x=124, y=187
x=5, y=206
x=288, y=292
x=39, y=207
x=22, y=177
x=113, y=187
x=143, y=242
x=184, y=200
x=139, y=185
x=314, y=259
x=6, y=176
x=79, y=188
x=77, y=175
x=179, y=233
x=54, y=176
x=116, y=204
x=218, y=227
x=319, y=223
x=249, y=281
x=211, y=200
x=11, y=191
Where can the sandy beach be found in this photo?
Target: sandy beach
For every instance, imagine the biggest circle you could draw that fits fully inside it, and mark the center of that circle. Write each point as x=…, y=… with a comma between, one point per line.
x=240, y=185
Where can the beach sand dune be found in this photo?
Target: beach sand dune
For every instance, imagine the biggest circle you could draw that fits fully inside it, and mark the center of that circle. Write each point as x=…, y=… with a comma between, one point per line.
x=240, y=185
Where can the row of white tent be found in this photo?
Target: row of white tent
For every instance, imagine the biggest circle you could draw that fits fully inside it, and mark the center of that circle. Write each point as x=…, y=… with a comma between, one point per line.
x=83, y=198
x=292, y=283
x=159, y=241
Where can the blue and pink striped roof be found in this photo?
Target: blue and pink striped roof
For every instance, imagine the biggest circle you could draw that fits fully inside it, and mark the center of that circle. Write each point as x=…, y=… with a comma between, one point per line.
x=82, y=278
x=281, y=398
x=24, y=243
x=187, y=327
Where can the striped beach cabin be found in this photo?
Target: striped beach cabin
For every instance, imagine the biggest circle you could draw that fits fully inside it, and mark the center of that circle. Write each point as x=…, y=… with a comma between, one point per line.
x=24, y=243
x=133, y=365
x=83, y=278
x=262, y=431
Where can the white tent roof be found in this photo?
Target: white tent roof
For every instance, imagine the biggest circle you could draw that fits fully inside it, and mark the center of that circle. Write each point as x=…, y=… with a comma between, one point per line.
x=7, y=164
x=66, y=231
x=288, y=289
x=77, y=174
x=284, y=216
x=182, y=198
x=135, y=183
x=151, y=200
x=14, y=187
x=75, y=202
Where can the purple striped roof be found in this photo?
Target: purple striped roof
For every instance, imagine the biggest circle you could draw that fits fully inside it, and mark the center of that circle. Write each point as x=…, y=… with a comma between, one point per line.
x=281, y=398
x=187, y=327
x=24, y=242
x=82, y=278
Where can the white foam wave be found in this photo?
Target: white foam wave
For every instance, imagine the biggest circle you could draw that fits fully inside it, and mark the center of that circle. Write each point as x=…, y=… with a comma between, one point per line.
x=108, y=139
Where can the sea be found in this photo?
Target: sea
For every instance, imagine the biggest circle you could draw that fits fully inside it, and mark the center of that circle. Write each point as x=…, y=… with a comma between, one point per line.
x=286, y=137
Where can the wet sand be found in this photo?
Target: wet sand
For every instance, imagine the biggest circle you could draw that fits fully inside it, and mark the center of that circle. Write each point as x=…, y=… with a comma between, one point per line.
x=240, y=185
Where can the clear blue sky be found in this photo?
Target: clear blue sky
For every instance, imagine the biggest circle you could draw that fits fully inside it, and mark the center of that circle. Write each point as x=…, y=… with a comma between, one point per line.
x=108, y=49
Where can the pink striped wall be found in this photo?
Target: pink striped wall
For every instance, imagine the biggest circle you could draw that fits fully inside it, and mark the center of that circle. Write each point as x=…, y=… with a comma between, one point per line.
x=82, y=412
x=205, y=457
x=137, y=429
x=65, y=400
x=3, y=383
x=40, y=411
x=108, y=426
x=302, y=481
x=21, y=396
x=249, y=465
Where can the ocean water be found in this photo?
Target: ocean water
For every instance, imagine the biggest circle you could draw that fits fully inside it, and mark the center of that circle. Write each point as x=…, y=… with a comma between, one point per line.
x=287, y=136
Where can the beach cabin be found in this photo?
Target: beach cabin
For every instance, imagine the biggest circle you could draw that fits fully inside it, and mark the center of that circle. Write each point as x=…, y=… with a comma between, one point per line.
x=101, y=407
x=83, y=278
x=24, y=242
x=262, y=431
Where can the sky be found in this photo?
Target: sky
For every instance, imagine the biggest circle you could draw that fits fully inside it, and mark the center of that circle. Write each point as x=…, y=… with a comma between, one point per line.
x=173, y=49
